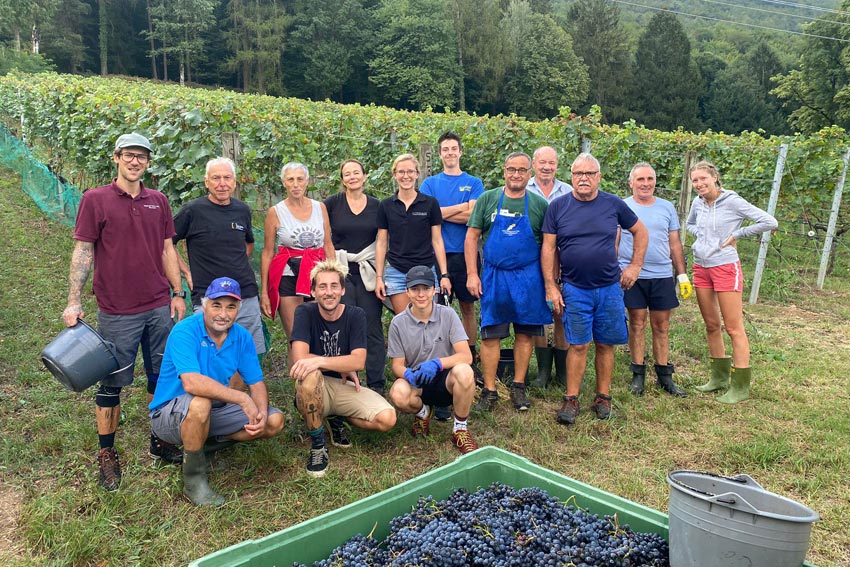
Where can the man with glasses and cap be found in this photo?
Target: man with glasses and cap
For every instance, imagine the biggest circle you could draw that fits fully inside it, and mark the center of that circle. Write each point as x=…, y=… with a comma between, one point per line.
x=193, y=402
x=123, y=232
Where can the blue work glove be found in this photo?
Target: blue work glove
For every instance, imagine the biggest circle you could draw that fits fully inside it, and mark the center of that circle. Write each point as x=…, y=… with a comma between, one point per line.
x=430, y=368
x=414, y=377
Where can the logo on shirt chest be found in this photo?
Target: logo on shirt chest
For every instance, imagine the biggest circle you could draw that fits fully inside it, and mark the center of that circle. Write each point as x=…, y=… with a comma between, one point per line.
x=463, y=188
x=237, y=226
x=153, y=207
x=419, y=214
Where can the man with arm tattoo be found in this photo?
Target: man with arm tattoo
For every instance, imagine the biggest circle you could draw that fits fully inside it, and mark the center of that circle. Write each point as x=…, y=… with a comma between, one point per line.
x=123, y=232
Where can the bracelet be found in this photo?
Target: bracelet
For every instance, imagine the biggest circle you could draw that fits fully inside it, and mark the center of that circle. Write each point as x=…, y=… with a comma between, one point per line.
x=379, y=277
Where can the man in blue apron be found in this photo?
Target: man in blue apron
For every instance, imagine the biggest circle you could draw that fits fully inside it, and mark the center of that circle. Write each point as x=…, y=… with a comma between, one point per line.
x=510, y=287
x=582, y=227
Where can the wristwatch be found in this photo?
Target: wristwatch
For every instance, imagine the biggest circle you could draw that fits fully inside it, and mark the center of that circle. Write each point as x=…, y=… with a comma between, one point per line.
x=181, y=294
x=444, y=276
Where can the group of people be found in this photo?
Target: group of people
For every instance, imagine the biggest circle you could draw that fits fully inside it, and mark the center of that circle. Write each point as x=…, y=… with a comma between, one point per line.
x=535, y=253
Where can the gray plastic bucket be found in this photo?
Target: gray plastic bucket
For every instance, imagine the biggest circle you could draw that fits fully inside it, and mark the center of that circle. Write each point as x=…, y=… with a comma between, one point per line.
x=79, y=357
x=718, y=521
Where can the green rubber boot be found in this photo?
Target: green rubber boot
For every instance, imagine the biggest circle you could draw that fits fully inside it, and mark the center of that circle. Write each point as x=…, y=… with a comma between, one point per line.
x=195, y=485
x=740, y=388
x=544, y=367
x=721, y=369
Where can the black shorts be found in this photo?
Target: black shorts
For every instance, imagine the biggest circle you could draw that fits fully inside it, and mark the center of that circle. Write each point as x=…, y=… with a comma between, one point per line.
x=456, y=264
x=504, y=330
x=657, y=294
x=435, y=392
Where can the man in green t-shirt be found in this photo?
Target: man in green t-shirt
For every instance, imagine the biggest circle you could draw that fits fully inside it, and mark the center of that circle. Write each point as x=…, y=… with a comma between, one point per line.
x=510, y=287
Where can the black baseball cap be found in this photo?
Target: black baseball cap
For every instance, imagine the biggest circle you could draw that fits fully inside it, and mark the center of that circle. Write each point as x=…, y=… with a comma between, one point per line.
x=420, y=275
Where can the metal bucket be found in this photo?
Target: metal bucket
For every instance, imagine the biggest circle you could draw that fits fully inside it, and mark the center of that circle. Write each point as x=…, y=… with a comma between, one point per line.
x=718, y=521
x=79, y=357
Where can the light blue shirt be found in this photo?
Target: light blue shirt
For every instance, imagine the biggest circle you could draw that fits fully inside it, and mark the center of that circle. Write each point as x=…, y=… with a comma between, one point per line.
x=660, y=219
x=560, y=188
x=190, y=349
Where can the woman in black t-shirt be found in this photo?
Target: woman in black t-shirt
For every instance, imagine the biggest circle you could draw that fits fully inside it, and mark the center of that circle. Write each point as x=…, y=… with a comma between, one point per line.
x=353, y=219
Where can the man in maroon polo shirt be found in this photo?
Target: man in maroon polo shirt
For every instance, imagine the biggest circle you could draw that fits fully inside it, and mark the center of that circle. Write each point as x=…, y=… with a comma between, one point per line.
x=124, y=231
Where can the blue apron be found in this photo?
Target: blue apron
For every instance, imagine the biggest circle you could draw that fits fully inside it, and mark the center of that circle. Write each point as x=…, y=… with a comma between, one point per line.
x=511, y=280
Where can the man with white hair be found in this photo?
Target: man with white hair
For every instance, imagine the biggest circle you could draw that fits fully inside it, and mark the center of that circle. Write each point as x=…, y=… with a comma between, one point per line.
x=219, y=241
x=582, y=228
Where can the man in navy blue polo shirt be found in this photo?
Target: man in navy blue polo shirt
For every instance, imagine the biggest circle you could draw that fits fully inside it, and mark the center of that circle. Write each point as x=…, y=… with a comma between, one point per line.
x=193, y=402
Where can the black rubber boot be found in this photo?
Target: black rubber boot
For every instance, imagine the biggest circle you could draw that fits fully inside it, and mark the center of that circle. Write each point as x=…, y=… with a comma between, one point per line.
x=195, y=485
x=665, y=380
x=638, y=379
x=544, y=367
x=561, y=366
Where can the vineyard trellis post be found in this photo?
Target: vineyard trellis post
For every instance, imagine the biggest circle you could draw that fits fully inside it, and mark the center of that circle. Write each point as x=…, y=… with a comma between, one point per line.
x=771, y=209
x=231, y=148
x=833, y=220
x=585, y=145
x=685, y=194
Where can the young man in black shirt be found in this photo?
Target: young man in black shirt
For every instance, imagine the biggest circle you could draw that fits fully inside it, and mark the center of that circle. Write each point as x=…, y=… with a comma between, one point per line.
x=328, y=348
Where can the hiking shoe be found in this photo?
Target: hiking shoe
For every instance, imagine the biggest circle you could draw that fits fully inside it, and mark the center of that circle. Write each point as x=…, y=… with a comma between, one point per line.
x=518, y=397
x=339, y=432
x=442, y=413
x=110, y=468
x=602, y=406
x=569, y=410
x=317, y=462
x=464, y=441
x=165, y=451
x=488, y=400
x=422, y=425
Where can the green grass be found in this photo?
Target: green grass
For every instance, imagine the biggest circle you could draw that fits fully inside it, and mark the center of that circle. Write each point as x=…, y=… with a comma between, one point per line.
x=791, y=436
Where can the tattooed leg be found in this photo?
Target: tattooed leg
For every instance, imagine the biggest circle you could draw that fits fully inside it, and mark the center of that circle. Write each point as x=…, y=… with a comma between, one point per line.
x=310, y=400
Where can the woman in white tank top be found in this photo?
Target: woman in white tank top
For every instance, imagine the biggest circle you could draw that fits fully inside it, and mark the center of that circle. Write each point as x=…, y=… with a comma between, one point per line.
x=297, y=235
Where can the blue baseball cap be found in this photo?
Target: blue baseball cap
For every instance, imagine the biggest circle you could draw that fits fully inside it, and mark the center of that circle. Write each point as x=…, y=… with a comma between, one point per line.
x=224, y=286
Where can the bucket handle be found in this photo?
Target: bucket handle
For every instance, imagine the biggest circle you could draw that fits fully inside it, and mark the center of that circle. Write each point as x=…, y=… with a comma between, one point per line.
x=734, y=500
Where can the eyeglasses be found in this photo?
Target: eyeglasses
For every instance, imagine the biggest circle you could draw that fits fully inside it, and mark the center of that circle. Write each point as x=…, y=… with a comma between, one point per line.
x=406, y=172
x=515, y=170
x=220, y=178
x=578, y=174
x=127, y=157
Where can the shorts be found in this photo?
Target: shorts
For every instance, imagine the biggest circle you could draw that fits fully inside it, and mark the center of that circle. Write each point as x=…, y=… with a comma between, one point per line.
x=127, y=333
x=225, y=419
x=728, y=277
x=249, y=317
x=656, y=294
x=596, y=314
x=456, y=265
x=503, y=330
x=395, y=281
x=345, y=401
x=435, y=392
x=286, y=288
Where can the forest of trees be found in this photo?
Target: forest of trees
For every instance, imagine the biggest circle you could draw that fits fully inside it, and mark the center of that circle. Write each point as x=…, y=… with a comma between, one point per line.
x=664, y=68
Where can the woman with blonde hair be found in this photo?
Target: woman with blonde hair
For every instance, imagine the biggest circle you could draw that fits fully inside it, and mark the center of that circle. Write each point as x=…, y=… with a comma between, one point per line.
x=408, y=235
x=716, y=219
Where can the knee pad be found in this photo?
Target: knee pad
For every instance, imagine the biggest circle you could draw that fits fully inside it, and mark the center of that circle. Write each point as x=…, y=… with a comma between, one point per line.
x=152, y=380
x=107, y=397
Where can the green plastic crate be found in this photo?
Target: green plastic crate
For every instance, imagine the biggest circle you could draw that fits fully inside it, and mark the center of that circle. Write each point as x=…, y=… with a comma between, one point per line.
x=314, y=539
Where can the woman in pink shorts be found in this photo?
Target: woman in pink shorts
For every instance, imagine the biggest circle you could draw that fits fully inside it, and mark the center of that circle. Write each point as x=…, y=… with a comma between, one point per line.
x=715, y=219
